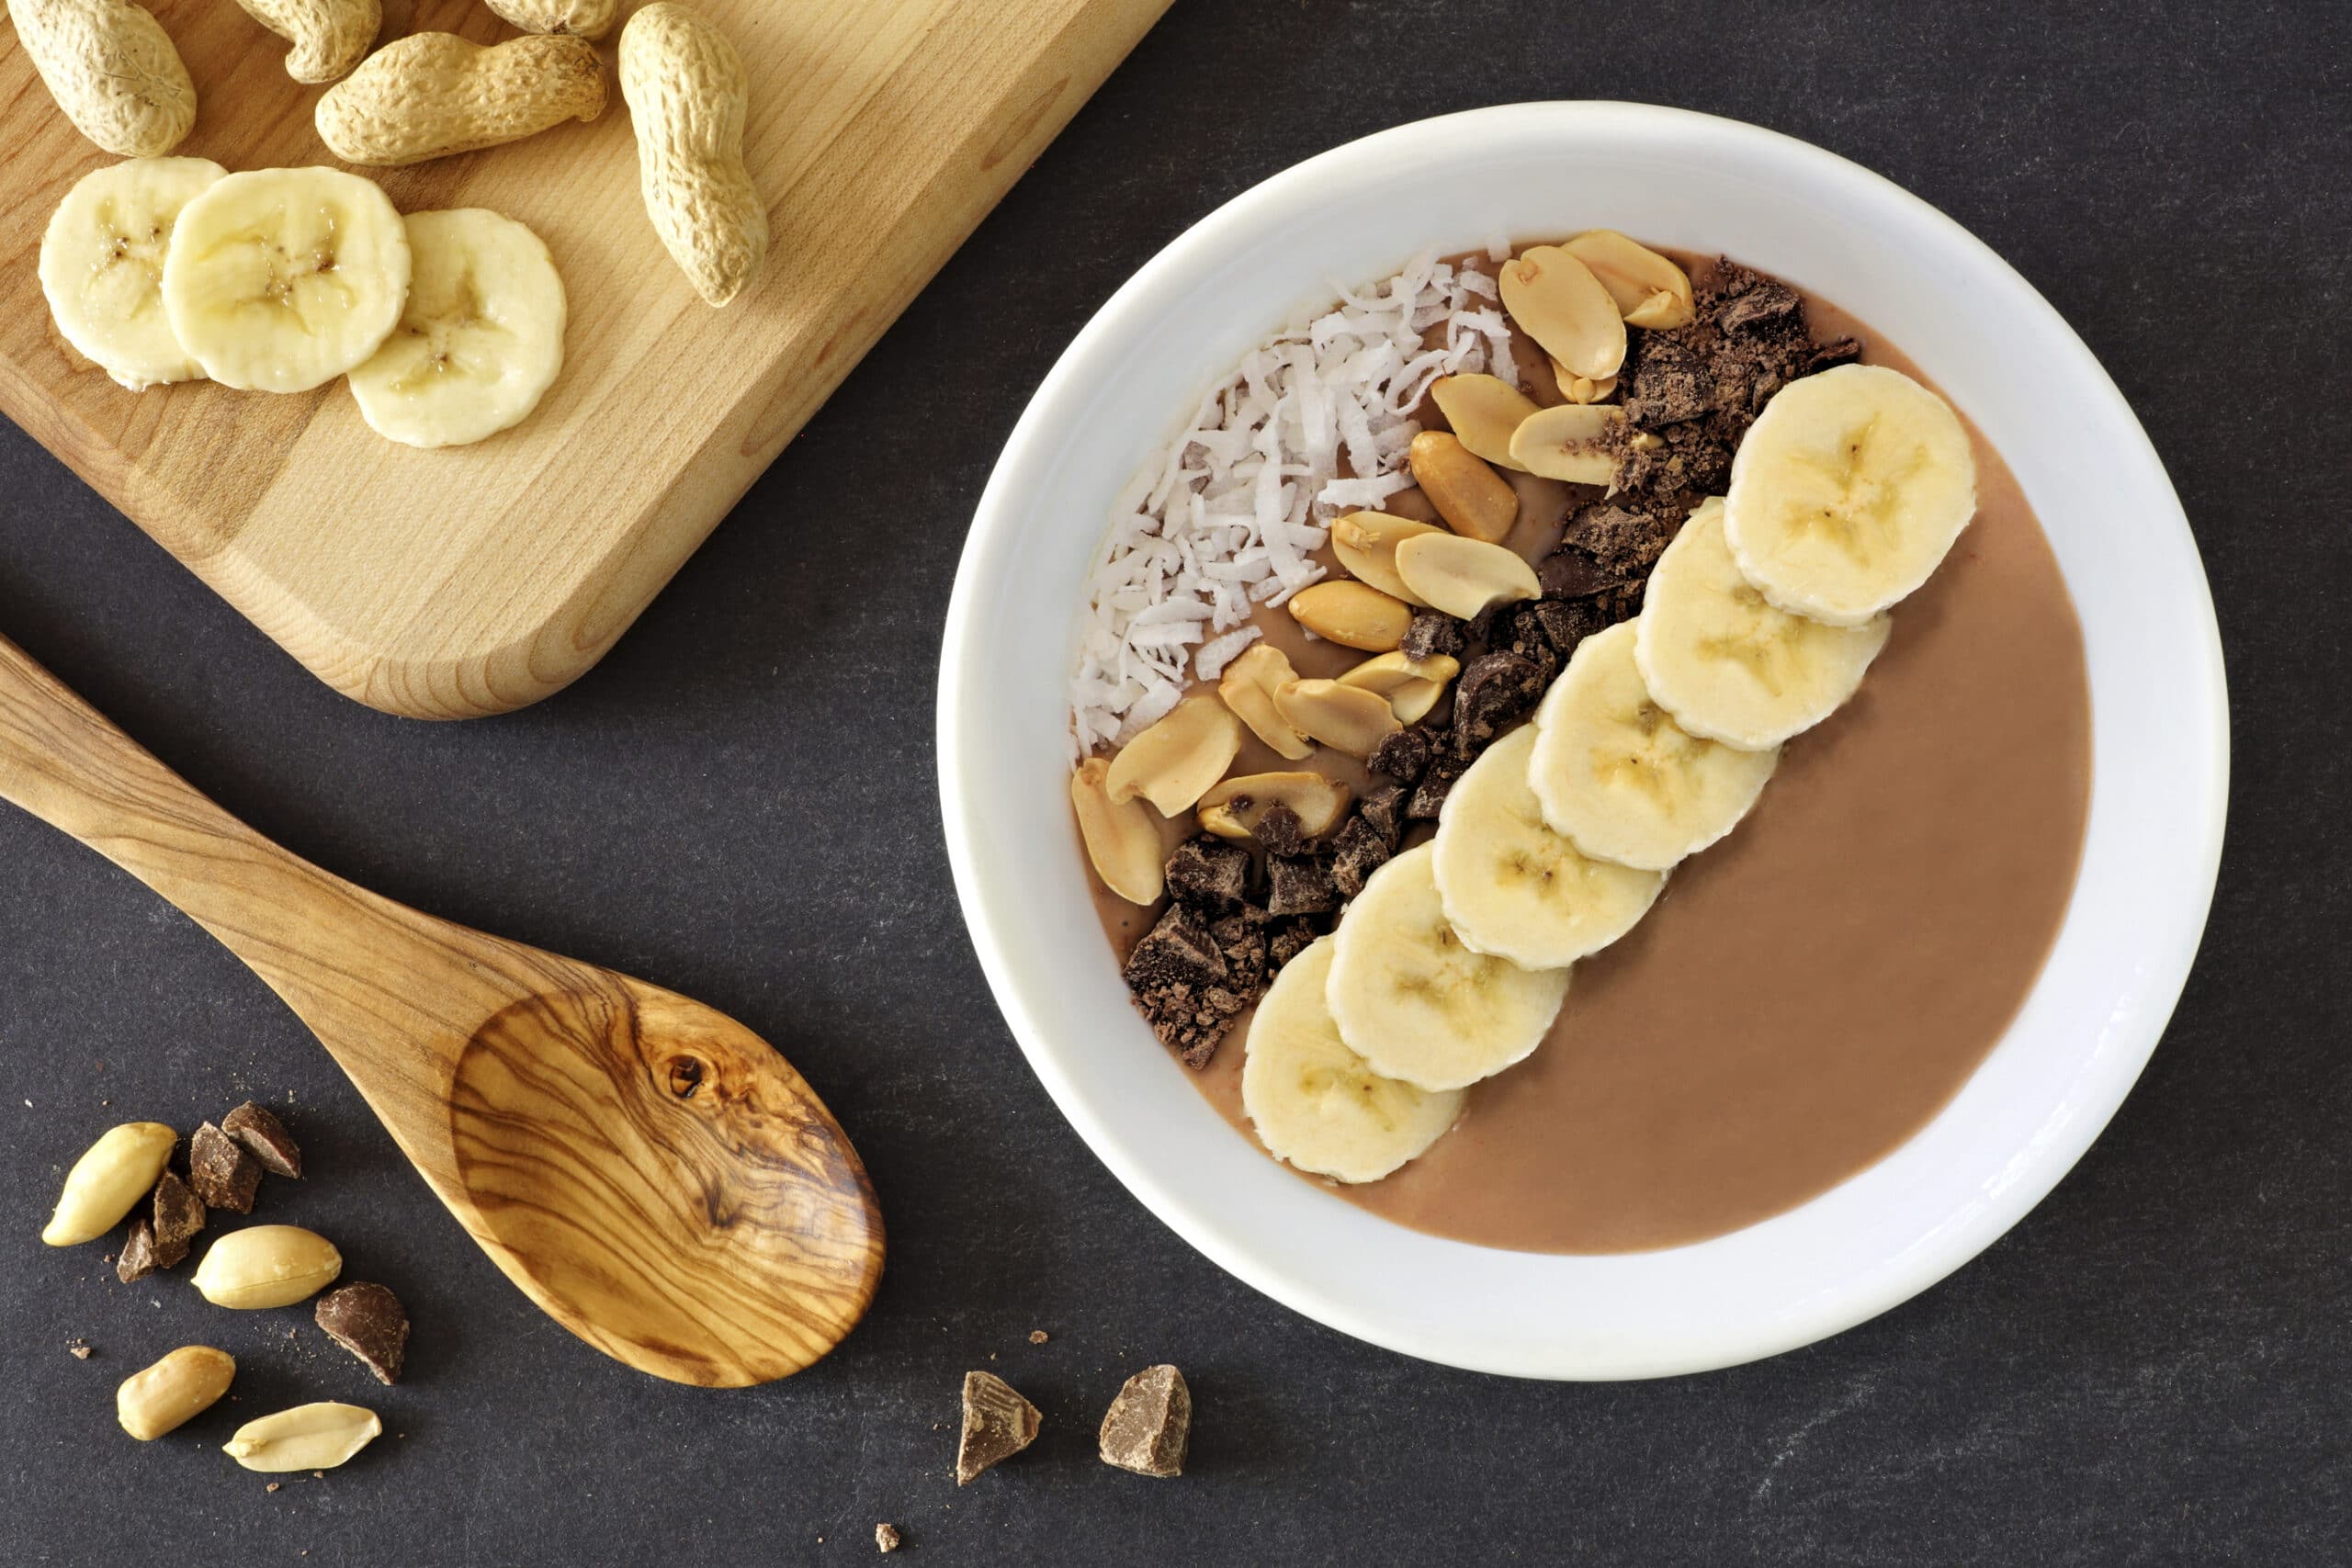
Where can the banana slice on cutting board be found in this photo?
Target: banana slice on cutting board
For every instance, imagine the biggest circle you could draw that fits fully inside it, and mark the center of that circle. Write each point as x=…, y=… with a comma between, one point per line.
x=102, y=266
x=1317, y=1104
x=1512, y=887
x=1846, y=492
x=1615, y=773
x=1413, y=999
x=1727, y=664
x=280, y=279
x=481, y=339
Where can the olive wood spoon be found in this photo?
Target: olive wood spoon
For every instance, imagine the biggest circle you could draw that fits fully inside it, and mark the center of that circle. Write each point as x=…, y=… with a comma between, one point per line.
x=646, y=1168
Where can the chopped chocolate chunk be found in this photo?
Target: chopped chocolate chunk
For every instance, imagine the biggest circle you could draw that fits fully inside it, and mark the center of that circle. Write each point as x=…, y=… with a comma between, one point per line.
x=1301, y=886
x=1667, y=385
x=1480, y=628
x=1428, y=796
x=221, y=1171
x=1764, y=302
x=1383, y=806
x=1521, y=632
x=367, y=1321
x=1829, y=355
x=179, y=1214
x=1433, y=632
x=1570, y=573
x=1402, y=755
x=1566, y=624
x=1177, y=951
x=1241, y=942
x=264, y=1137
x=1179, y=976
x=1150, y=1424
x=1624, y=544
x=138, y=1256
x=1496, y=689
x=1210, y=872
x=998, y=1423
x=1280, y=831
x=886, y=1538
x=1290, y=939
x=1356, y=854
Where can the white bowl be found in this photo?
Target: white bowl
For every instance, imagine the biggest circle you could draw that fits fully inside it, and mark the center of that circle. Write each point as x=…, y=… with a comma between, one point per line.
x=2159, y=725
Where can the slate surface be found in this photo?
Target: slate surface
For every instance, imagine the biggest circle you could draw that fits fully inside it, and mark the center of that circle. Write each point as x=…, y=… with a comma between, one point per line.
x=2156, y=1367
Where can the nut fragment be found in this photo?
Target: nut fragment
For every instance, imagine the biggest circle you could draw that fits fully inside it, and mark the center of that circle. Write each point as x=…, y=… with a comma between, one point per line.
x=173, y=1391
x=431, y=95
x=1354, y=615
x=1557, y=302
x=1171, y=763
x=1150, y=1424
x=1570, y=441
x=1411, y=685
x=369, y=1322
x=1462, y=577
x=1483, y=411
x=1366, y=542
x=1247, y=686
x=998, y=1423
x=1649, y=289
x=885, y=1537
x=1122, y=841
x=1475, y=502
x=309, y=1436
x=265, y=1138
x=108, y=1180
x=1346, y=718
x=266, y=1265
x=1231, y=810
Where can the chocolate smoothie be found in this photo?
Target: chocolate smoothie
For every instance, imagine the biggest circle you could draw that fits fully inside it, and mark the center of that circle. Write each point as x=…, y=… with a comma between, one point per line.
x=1808, y=993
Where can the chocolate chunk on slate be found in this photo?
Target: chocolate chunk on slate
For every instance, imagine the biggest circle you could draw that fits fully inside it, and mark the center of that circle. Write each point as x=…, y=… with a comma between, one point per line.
x=1383, y=806
x=264, y=1137
x=1496, y=689
x=1209, y=872
x=137, y=1259
x=1301, y=886
x=1402, y=755
x=1150, y=1424
x=1356, y=854
x=1181, y=983
x=1429, y=796
x=367, y=1321
x=1433, y=632
x=221, y=1171
x=1290, y=939
x=1280, y=831
x=179, y=1214
x=998, y=1423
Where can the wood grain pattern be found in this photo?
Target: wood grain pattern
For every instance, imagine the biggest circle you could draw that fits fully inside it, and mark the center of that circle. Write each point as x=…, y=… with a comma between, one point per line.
x=646, y=1168
x=475, y=580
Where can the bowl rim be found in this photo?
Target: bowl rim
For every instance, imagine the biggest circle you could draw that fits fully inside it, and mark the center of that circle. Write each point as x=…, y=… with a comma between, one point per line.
x=2202, y=713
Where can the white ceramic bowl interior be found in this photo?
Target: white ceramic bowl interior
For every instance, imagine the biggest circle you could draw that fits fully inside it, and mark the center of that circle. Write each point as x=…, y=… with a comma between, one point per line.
x=1532, y=171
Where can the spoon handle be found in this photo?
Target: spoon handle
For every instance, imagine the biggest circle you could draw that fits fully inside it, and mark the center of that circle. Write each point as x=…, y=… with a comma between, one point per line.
x=315, y=938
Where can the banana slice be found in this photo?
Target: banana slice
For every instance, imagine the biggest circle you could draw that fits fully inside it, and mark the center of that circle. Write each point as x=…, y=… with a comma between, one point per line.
x=1615, y=773
x=1317, y=1104
x=102, y=266
x=1846, y=492
x=1727, y=664
x=280, y=279
x=481, y=339
x=1415, y=1002
x=1514, y=888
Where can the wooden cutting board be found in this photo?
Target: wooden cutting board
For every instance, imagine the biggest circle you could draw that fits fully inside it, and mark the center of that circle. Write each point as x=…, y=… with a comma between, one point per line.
x=474, y=580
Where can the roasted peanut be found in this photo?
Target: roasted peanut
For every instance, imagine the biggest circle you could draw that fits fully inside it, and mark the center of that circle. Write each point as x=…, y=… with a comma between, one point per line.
x=108, y=1180
x=330, y=37
x=686, y=91
x=1570, y=441
x=1483, y=411
x=1557, y=302
x=173, y=1391
x=1412, y=686
x=581, y=18
x=113, y=70
x=309, y=1436
x=1248, y=685
x=431, y=95
x=1354, y=615
x=1464, y=577
x=266, y=1265
x=1475, y=502
x=1171, y=763
x=1121, y=839
x=1649, y=289
x=1366, y=543
x=1345, y=718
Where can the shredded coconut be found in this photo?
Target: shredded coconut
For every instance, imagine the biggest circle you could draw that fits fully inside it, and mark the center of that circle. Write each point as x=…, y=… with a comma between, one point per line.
x=1228, y=516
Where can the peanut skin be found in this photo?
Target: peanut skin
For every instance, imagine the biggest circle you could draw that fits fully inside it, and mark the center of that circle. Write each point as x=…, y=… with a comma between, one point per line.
x=113, y=70
x=329, y=37
x=431, y=95
x=581, y=18
x=686, y=90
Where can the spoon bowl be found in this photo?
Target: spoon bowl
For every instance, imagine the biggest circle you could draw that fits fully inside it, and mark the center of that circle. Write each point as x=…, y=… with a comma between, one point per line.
x=646, y=1168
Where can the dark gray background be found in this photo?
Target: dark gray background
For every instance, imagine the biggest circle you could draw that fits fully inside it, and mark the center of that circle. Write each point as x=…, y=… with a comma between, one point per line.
x=2156, y=1367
